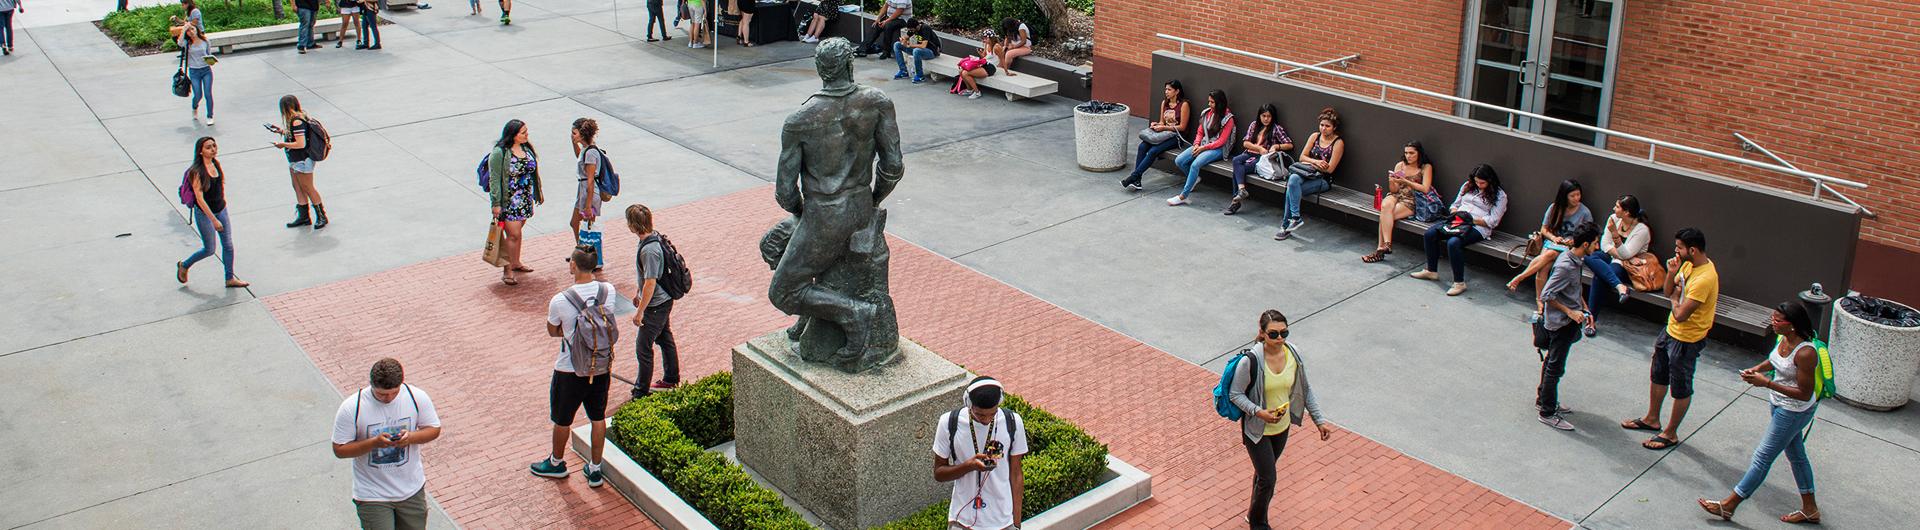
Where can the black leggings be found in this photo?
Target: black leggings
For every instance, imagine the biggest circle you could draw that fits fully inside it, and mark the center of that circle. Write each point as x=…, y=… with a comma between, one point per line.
x=1266, y=459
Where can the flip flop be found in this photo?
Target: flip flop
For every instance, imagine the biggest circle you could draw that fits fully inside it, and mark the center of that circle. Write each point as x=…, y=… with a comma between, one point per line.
x=1714, y=507
x=1637, y=425
x=1800, y=517
x=1660, y=441
x=523, y=268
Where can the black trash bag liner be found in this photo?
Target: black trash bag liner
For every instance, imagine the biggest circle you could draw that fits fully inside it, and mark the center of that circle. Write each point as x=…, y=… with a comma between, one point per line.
x=1883, y=312
x=1100, y=107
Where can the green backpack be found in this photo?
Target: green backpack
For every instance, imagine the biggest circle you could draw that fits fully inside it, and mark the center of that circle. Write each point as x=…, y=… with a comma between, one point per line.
x=1823, y=371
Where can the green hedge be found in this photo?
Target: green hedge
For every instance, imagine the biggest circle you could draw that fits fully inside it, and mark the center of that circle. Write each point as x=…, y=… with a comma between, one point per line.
x=147, y=26
x=668, y=433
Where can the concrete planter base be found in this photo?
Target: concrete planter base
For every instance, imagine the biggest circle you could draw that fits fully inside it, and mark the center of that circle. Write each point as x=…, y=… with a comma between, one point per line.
x=1121, y=487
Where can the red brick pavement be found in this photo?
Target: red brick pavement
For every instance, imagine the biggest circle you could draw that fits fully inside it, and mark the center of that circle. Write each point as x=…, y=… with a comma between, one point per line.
x=481, y=348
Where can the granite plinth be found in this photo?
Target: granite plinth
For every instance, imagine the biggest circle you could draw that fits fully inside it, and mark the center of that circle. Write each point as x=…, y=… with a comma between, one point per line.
x=855, y=449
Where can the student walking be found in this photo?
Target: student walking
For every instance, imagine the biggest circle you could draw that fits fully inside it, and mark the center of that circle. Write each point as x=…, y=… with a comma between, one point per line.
x=1272, y=392
x=196, y=50
x=369, y=26
x=1792, y=396
x=381, y=427
x=514, y=190
x=7, y=9
x=1476, y=211
x=349, y=19
x=656, y=319
x=299, y=164
x=582, y=317
x=1565, y=315
x=586, y=199
x=304, y=10
x=506, y=12
x=984, y=467
x=1693, y=284
x=209, y=183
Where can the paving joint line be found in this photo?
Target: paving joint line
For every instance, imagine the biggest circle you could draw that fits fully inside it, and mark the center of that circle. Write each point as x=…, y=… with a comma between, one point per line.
x=250, y=296
x=169, y=485
x=1664, y=453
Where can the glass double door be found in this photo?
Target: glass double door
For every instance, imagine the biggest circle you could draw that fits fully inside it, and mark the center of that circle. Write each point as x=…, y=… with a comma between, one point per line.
x=1550, y=57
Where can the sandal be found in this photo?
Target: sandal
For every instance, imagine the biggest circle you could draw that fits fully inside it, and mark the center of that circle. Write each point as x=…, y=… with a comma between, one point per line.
x=1377, y=256
x=523, y=268
x=1800, y=517
x=1637, y=425
x=1714, y=507
x=180, y=271
x=506, y=277
x=1659, y=442
x=237, y=283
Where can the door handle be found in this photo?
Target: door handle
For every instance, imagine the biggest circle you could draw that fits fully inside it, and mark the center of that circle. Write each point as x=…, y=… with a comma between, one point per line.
x=1526, y=67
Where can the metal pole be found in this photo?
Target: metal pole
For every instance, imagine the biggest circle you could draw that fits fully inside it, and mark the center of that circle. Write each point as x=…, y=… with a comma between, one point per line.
x=713, y=27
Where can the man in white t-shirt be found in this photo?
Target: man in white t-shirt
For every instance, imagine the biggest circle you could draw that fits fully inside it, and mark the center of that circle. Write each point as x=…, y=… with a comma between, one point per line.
x=381, y=428
x=570, y=391
x=987, y=484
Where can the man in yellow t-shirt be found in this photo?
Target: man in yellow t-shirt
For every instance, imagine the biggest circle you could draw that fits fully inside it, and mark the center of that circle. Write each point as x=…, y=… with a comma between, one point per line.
x=1693, y=288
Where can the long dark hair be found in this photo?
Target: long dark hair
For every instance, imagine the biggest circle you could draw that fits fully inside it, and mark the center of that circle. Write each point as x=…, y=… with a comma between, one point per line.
x=1491, y=193
x=199, y=167
x=1219, y=111
x=1266, y=131
x=1420, y=154
x=1797, y=317
x=290, y=109
x=1632, y=205
x=507, y=133
x=1010, y=27
x=1558, y=211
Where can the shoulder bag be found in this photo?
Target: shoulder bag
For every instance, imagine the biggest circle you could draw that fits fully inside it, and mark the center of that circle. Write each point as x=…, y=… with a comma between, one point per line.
x=181, y=85
x=1646, y=272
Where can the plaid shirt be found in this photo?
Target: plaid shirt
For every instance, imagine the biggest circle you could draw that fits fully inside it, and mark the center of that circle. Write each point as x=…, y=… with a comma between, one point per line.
x=1276, y=137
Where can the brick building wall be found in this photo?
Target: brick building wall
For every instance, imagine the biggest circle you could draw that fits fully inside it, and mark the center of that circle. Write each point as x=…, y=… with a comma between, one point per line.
x=1830, y=86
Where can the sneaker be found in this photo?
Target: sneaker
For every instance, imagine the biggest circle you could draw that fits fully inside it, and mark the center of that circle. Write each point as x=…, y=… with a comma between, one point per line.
x=209, y=121
x=664, y=385
x=1282, y=235
x=975, y=95
x=1425, y=275
x=1134, y=186
x=547, y=468
x=1294, y=225
x=1556, y=422
x=1626, y=295
x=593, y=476
x=374, y=47
x=1458, y=287
x=1176, y=200
x=1561, y=409
x=651, y=39
x=900, y=74
x=918, y=78
x=426, y=6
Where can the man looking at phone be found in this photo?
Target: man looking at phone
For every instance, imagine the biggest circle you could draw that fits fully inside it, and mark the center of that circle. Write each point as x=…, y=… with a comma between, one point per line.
x=380, y=427
x=1566, y=314
x=987, y=484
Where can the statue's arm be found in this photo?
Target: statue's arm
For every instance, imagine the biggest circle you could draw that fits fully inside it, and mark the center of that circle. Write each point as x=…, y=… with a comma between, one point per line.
x=786, y=178
x=887, y=147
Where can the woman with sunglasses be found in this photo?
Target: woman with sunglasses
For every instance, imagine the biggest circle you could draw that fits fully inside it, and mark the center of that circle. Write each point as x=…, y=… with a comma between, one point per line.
x=1790, y=374
x=1271, y=391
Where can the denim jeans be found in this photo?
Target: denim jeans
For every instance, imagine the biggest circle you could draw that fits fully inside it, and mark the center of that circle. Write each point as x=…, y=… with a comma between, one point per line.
x=900, y=51
x=202, y=81
x=1607, y=275
x=654, y=17
x=369, y=28
x=1456, y=248
x=6, y=29
x=306, y=28
x=206, y=240
x=1144, y=157
x=1299, y=188
x=1785, y=433
x=1559, y=341
x=1191, y=162
x=1242, y=165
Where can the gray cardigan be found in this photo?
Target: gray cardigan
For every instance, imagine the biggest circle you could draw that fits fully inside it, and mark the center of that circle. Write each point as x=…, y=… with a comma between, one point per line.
x=1249, y=392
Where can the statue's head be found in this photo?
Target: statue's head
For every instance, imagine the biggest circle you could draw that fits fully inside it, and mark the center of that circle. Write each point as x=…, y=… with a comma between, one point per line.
x=834, y=59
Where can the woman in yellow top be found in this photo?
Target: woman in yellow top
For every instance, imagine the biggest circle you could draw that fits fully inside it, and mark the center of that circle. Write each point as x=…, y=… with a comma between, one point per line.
x=1271, y=390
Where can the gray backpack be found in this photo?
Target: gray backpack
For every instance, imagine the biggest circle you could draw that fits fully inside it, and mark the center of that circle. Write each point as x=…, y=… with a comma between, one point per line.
x=590, y=344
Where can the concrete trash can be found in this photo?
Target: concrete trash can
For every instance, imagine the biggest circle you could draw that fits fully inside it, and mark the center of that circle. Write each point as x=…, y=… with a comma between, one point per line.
x=1874, y=362
x=1100, y=136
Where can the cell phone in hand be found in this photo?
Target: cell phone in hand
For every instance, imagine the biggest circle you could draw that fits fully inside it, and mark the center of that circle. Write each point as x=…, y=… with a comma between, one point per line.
x=270, y=128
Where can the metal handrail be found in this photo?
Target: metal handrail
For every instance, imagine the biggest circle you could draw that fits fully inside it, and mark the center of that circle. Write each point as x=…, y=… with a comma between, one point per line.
x=1652, y=144
x=1747, y=144
x=1343, y=62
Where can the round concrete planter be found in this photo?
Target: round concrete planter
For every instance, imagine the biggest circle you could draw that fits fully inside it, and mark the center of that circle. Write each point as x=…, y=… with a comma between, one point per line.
x=1873, y=363
x=1100, y=140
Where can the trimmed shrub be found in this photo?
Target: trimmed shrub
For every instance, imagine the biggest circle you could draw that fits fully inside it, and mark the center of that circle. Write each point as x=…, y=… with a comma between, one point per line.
x=147, y=26
x=967, y=13
x=1024, y=10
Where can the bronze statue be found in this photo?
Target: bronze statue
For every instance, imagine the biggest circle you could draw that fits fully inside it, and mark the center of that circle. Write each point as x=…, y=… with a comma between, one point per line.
x=830, y=259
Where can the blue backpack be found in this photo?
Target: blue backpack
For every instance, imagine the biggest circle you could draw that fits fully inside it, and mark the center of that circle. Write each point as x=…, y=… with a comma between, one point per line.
x=1222, y=403
x=606, y=179
x=486, y=184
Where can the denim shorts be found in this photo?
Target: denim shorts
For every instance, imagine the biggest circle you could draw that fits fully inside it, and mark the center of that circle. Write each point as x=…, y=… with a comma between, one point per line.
x=303, y=166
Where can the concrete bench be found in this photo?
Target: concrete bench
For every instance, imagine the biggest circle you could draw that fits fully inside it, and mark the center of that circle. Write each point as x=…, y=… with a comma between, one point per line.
x=226, y=41
x=1015, y=87
x=1731, y=313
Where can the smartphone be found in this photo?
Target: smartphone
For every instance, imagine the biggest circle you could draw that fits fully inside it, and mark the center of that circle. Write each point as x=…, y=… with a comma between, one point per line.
x=270, y=128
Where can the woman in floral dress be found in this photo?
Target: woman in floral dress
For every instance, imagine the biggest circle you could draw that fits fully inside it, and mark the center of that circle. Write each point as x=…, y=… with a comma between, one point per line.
x=514, y=188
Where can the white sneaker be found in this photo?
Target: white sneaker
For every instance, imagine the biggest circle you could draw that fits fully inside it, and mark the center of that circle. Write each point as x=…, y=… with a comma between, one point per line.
x=209, y=122
x=1176, y=200
x=1556, y=422
x=975, y=95
x=1426, y=275
x=1458, y=287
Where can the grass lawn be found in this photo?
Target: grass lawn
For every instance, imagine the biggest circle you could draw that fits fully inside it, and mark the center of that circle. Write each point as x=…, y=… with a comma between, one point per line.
x=146, y=27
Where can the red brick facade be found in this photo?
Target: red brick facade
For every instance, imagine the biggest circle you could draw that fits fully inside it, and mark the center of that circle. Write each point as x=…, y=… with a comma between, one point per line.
x=1830, y=86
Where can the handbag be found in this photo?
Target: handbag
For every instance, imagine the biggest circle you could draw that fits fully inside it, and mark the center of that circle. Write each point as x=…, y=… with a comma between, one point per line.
x=496, y=237
x=1646, y=272
x=591, y=237
x=1457, y=225
x=1305, y=170
x=1534, y=243
x=1153, y=137
x=181, y=85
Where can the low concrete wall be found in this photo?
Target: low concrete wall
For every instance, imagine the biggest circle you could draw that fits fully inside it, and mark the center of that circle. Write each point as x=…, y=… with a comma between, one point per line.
x=1076, y=82
x=1767, y=244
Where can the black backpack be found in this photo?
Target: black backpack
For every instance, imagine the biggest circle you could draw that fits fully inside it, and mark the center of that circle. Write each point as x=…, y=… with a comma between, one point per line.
x=953, y=426
x=675, y=279
x=319, y=143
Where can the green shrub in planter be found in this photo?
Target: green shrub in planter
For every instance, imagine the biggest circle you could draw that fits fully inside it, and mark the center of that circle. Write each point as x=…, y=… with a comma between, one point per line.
x=967, y=13
x=147, y=26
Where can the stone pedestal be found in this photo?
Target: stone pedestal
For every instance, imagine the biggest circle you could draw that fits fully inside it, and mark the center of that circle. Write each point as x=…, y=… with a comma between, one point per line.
x=855, y=449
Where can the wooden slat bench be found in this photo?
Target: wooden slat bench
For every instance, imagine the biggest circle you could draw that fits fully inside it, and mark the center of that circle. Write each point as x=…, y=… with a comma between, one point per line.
x=1015, y=87
x=225, y=41
x=1732, y=313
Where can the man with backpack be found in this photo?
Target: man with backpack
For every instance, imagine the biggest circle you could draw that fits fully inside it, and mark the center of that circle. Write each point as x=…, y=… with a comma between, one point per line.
x=983, y=462
x=1566, y=313
x=582, y=317
x=663, y=278
x=380, y=427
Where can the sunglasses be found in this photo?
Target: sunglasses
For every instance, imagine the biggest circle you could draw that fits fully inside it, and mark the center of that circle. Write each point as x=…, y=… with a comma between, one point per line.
x=1277, y=334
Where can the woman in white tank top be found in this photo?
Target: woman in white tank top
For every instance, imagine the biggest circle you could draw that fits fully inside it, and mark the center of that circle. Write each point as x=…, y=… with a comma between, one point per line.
x=1793, y=363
